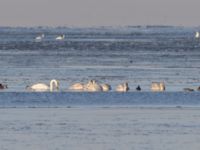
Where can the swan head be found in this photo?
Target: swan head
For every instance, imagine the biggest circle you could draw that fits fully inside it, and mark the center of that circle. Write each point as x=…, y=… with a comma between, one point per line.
x=126, y=86
x=162, y=86
x=54, y=84
x=90, y=82
x=93, y=81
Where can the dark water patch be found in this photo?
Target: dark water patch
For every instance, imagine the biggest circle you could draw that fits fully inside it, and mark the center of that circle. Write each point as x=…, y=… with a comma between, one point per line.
x=70, y=99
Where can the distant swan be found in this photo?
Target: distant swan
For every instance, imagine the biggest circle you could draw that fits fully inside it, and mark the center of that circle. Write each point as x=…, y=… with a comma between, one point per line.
x=197, y=35
x=77, y=87
x=41, y=87
x=39, y=38
x=122, y=87
x=106, y=87
x=61, y=37
x=92, y=86
x=158, y=86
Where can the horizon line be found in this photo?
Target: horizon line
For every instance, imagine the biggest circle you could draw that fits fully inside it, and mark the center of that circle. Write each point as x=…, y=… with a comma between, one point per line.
x=94, y=26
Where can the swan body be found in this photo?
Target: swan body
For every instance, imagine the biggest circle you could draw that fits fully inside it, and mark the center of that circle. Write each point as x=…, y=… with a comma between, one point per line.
x=77, y=87
x=92, y=86
x=39, y=38
x=106, y=87
x=122, y=87
x=158, y=86
x=197, y=35
x=41, y=87
x=61, y=37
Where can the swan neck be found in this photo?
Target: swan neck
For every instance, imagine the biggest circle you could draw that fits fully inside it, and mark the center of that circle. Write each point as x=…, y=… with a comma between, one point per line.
x=52, y=83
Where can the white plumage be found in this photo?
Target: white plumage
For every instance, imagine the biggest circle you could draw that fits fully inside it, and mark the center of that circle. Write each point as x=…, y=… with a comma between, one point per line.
x=60, y=37
x=39, y=38
x=42, y=87
x=197, y=35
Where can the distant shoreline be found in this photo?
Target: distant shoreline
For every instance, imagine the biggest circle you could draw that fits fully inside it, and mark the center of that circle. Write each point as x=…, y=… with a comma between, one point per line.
x=105, y=27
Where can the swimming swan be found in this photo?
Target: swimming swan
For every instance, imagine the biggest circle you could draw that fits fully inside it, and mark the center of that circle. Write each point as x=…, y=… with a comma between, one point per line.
x=106, y=87
x=77, y=87
x=41, y=87
x=157, y=86
x=92, y=86
x=39, y=38
x=122, y=87
x=197, y=35
x=61, y=37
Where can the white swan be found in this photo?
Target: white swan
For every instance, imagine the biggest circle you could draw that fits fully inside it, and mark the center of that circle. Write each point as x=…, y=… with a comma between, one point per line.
x=77, y=87
x=39, y=38
x=122, y=87
x=41, y=87
x=197, y=35
x=92, y=86
x=106, y=87
x=60, y=37
x=158, y=86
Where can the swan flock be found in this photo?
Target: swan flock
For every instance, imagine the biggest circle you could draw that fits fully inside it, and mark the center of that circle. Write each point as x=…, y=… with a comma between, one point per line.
x=91, y=86
x=39, y=38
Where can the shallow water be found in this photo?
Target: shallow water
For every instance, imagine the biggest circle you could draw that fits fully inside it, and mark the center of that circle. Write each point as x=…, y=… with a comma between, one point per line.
x=139, y=55
x=110, y=121
x=99, y=100
x=100, y=128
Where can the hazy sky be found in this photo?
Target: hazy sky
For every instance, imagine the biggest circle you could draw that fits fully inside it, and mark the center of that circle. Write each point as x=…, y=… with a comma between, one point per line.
x=99, y=12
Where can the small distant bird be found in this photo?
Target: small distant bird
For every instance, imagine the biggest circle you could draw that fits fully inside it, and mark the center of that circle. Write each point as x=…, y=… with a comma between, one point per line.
x=39, y=38
x=188, y=89
x=60, y=37
x=197, y=35
x=2, y=86
x=138, y=88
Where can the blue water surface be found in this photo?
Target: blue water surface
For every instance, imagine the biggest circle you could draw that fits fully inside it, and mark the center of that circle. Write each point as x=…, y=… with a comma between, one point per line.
x=111, y=99
x=138, y=55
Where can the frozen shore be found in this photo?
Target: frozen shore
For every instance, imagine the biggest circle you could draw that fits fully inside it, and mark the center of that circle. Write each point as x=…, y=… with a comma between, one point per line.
x=99, y=128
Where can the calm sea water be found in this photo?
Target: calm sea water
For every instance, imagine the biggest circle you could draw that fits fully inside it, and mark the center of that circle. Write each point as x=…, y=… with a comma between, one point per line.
x=139, y=55
x=109, y=121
